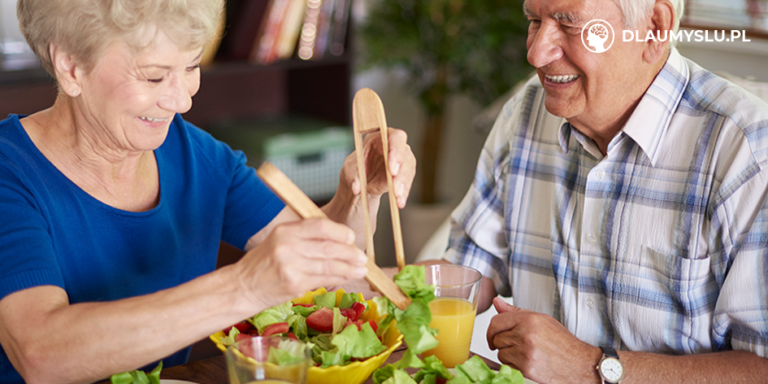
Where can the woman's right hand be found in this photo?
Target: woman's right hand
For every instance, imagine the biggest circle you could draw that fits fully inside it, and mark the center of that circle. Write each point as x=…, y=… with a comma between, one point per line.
x=299, y=256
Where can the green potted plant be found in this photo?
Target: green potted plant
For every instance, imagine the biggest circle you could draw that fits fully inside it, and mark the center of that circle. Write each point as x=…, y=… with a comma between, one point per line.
x=447, y=47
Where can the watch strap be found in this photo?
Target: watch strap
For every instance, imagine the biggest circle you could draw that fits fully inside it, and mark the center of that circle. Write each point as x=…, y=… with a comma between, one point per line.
x=610, y=352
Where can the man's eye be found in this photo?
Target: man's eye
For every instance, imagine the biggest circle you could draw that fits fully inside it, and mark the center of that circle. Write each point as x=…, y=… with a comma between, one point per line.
x=155, y=80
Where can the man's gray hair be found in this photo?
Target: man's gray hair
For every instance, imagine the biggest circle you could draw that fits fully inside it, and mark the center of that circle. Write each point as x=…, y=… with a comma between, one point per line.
x=636, y=10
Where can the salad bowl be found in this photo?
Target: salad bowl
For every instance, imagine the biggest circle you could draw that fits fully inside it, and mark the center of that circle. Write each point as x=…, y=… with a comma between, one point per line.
x=355, y=372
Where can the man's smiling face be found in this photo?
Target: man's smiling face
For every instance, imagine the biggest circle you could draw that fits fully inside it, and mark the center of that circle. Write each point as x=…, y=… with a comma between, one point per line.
x=585, y=87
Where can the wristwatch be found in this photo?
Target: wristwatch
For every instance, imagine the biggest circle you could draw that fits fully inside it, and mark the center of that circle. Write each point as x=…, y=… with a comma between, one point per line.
x=610, y=368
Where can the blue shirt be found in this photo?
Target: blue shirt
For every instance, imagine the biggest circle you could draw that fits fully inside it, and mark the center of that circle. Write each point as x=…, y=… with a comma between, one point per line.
x=660, y=245
x=53, y=233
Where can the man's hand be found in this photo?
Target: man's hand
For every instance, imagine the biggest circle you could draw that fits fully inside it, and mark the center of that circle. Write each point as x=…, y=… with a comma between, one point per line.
x=540, y=347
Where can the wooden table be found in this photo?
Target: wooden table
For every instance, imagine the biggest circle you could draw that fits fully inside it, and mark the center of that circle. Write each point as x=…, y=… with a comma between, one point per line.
x=213, y=370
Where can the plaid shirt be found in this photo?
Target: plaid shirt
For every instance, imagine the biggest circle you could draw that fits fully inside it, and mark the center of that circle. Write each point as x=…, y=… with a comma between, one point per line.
x=661, y=245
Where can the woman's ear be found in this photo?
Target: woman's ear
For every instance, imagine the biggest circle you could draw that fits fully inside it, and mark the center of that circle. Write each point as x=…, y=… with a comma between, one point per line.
x=661, y=24
x=66, y=69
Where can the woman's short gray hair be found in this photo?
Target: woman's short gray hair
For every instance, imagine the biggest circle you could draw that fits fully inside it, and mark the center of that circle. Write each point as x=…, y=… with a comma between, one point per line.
x=635, y=10
x=84, y=28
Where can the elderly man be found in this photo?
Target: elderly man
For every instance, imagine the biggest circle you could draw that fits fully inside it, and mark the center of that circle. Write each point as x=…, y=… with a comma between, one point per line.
x=621, y=200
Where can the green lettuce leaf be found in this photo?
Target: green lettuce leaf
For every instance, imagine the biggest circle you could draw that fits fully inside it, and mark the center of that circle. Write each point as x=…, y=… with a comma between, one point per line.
x=382, y=374
x=329, y=358
x=411, y=281
x=347, y=299
x=276, y=314
x=230, y=339
x=327, y=299
x=304, y=311
x=475, y=370
x=279, y=356
x=358, y=344
x=400, y=377
x=138, y=376
x=339, y=321
x=409, y=360
x=507, y=375
x=433, y=366
x=417, y=336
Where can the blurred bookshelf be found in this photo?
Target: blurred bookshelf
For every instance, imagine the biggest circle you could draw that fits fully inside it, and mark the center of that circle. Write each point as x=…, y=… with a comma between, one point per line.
x=235, y=84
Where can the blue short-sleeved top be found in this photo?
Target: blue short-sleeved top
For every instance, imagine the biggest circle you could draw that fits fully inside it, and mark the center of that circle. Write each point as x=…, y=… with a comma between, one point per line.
x=53, y=233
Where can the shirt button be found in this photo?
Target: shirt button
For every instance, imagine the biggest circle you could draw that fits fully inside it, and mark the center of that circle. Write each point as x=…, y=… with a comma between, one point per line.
x=590, y=303
x=599, y=174
x=592, y=239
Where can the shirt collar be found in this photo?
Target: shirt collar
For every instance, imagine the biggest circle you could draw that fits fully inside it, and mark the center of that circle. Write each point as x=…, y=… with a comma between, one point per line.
x=649, y=123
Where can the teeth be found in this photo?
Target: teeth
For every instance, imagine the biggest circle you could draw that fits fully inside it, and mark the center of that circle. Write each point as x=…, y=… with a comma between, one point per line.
x=151, y=119
x=562, y=79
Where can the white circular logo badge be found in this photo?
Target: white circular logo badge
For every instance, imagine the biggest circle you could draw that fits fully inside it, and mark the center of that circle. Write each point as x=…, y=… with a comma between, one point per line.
x=597, y=36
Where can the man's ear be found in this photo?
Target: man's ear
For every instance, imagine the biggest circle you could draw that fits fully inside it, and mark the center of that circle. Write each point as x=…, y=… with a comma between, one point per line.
x=661, y=23
x=67, y=71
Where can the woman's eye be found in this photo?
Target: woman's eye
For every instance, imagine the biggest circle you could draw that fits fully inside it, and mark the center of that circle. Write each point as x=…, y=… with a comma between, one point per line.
x=155, y=80
x=193, y=68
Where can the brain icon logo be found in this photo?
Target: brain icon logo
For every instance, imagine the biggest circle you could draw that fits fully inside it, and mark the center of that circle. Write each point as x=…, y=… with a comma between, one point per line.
x=597, y=36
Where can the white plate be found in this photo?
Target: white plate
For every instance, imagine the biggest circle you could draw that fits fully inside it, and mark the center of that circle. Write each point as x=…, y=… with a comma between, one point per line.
x=171, y=381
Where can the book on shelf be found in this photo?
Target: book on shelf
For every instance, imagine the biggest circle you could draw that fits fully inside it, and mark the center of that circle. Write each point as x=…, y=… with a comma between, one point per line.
x=324, y=29
x=243, y=19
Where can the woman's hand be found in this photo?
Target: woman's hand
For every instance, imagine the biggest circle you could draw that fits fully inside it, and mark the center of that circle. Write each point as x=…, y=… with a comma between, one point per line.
x=300, y=256
x=402, y=166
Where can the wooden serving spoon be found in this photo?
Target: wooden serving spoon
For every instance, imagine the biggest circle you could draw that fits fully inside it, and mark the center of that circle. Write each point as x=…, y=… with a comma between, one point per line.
x=304, y=207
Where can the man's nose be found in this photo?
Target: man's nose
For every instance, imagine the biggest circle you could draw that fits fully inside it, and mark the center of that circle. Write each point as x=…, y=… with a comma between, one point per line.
x=545, y=46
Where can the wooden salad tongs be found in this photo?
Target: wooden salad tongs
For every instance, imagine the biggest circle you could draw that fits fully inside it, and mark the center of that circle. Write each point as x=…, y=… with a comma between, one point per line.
x=306, y=209
x=368, y=117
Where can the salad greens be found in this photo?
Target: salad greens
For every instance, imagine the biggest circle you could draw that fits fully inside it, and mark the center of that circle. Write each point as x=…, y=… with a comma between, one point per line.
x=138, y=377
x=337, y=334
x=413, y=323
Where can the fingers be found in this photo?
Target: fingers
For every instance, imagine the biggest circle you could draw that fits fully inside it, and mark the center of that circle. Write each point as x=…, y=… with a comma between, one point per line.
x=502, y=322
x=317, y=229
x=402, y=165
x=502, y=306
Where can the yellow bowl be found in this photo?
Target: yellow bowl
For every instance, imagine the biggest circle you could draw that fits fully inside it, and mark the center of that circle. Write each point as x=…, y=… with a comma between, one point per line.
x=352, y=373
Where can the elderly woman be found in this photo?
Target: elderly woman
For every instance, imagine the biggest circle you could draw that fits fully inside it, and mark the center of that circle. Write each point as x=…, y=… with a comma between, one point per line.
x=113, y=206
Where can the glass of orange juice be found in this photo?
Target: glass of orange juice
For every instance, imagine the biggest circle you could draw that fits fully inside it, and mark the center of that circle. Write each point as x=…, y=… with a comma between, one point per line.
x=453, y=310
x=268, y=360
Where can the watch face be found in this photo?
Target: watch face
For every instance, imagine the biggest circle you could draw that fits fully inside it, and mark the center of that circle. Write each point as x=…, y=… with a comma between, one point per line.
x=611, y=370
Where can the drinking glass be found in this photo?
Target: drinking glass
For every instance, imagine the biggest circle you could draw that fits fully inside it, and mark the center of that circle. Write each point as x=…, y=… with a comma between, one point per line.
x=253, y=360
x=453, y=310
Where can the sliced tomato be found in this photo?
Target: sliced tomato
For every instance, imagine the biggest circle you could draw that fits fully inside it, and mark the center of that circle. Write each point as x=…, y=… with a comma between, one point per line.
x=253, y=332
x=359, y=309
x=304, y=305
x=373, y=325
x=321, y=320
x=275, y=329
x=242, y=326
x=241, y=336
x=349, y=313
x=292, y=336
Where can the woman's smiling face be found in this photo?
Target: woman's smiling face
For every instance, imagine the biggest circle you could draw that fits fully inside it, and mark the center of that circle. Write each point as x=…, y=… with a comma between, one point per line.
x=130, y=96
